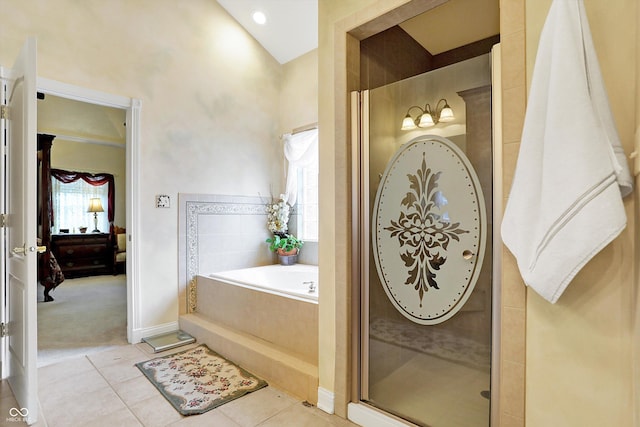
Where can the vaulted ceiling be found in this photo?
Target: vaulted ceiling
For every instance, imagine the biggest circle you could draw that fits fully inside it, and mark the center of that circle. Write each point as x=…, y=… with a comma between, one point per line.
x=292, y=25
x=291, y=30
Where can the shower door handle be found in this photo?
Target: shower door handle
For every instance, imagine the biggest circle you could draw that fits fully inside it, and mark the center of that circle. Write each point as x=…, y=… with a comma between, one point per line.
x=467, y=254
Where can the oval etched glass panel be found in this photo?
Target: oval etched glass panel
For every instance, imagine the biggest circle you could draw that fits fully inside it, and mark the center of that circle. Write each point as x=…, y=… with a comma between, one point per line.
x=429, y=229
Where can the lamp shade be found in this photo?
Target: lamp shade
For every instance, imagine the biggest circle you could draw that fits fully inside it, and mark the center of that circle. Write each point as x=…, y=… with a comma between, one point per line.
x=408, y=123
x=446, y=115
x=95, y=205
x=426, y=120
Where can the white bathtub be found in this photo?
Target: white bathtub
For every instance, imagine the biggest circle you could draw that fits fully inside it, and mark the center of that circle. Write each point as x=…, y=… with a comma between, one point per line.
x=292, y=281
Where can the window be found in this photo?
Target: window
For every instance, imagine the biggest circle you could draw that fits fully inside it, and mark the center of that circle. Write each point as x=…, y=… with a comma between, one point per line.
x=71, y=192
x=308, y=202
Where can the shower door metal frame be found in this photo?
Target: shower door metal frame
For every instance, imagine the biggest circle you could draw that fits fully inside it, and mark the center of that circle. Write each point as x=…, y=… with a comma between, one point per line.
x=359, y=121
x=361, y=240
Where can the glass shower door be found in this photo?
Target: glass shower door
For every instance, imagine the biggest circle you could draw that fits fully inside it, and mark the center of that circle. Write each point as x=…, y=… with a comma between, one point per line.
x=426, y=280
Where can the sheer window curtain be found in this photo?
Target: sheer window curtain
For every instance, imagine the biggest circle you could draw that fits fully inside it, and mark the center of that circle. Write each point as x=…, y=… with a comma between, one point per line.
x=70, y=199
x=300, y=150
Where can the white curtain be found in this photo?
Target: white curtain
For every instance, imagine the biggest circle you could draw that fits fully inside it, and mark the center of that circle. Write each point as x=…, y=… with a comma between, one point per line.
x=70, y=204
x=300, y=149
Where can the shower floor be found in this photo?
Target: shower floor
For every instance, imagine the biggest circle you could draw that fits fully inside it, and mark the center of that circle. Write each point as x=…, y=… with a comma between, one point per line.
x=431, y=390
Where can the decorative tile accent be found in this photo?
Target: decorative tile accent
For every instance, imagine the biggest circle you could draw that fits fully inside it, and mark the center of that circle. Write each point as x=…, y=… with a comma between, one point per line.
x=192, y=295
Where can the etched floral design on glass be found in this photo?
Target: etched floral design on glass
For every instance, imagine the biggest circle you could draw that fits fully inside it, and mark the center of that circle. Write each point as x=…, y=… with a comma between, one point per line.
x=424, y=229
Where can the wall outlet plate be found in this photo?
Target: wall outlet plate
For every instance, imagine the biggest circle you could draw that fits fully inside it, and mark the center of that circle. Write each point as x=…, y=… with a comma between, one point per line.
x=163, y=201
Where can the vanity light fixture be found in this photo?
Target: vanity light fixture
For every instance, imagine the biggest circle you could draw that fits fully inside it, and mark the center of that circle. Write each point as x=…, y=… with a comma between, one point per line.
x=95, y=206
x=428, y=117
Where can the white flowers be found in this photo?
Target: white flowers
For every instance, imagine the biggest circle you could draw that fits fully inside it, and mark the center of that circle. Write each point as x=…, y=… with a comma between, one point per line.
x=278, y=216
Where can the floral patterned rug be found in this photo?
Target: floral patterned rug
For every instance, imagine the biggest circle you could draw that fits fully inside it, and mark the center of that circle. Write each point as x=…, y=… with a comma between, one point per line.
x=198, y=380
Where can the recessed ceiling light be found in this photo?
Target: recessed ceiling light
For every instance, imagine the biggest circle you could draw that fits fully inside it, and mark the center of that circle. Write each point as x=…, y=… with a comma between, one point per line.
x=259, y=17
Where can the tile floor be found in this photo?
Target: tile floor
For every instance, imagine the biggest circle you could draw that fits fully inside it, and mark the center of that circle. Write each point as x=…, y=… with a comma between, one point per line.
x=106, y=389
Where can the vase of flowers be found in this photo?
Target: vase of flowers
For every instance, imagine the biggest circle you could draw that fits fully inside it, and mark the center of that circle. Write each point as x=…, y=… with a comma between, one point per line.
x=284, y=244
x=278, y=216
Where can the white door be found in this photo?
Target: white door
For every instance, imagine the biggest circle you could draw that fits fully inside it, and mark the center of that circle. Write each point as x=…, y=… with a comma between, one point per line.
x=19, y=243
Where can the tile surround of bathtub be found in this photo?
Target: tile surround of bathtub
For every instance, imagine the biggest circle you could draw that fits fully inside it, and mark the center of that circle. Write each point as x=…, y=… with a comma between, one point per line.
x=220, y=232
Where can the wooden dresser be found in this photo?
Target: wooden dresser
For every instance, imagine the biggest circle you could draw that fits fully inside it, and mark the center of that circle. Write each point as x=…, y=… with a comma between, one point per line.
x=83, y=254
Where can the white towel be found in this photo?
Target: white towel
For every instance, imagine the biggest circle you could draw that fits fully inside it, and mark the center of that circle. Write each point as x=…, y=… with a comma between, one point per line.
x=565, y=203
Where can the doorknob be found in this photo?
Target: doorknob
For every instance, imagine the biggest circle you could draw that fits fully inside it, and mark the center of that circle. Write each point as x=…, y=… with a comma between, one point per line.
x=467, y=254
x=23, y=250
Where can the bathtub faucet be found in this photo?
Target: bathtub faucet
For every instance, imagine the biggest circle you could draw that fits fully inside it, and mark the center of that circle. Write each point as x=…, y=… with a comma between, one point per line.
x=312, y=286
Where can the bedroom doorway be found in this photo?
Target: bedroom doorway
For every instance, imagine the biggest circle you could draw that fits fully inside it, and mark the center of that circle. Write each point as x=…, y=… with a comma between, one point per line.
x=93, y=134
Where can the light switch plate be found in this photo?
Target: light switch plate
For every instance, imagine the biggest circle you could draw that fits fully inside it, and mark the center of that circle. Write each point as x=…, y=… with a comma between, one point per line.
x=163, y=201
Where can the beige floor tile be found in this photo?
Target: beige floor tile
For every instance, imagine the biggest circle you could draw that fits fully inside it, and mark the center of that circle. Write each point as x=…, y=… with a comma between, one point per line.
x=72, y=387
x=119, y=418
x=121, y=371
x=117, y=355
x=155, y=412
x=70, y=368
x=299, y=416
x=334, y=420
x=212, y=418
x=106, y=389
x=8, y=405
x=76, y=411
x=256, y=407
x=5, y=389
x=135, y=390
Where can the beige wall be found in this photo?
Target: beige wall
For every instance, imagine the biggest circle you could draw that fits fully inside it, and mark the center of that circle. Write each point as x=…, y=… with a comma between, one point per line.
x=511, y=406
x=209, y=118
x=299, y=92
x=335, y=18
x=579, y=369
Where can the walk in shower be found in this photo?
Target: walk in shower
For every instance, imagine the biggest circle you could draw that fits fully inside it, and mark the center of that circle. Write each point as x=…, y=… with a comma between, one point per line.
x=425, y=243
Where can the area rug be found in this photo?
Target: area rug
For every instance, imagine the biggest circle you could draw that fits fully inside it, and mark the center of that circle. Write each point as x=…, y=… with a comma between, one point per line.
x=197, y=380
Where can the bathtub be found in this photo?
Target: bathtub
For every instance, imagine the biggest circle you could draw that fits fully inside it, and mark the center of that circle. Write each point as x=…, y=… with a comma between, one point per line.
x=264, y=319
x=298, y=281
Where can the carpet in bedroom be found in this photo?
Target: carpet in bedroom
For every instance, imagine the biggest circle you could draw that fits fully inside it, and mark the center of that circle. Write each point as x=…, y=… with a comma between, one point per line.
x=89, y=314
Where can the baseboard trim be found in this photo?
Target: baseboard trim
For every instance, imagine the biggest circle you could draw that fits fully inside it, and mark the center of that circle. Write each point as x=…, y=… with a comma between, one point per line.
x=326, y=400
x=138, y=334
x=368, y=417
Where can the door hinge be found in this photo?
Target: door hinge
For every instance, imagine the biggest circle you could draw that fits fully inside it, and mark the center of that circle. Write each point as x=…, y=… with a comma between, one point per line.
x=4, y=331
x=4, y=112
x=3, y=220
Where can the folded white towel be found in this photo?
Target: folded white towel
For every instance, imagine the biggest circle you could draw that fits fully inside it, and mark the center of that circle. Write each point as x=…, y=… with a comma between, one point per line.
x=565, y=203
